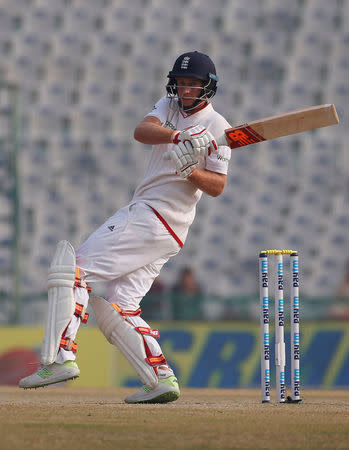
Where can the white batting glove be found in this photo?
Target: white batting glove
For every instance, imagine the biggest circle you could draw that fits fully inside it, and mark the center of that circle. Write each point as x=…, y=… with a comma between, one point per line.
x=184, y=158
x=200, y=138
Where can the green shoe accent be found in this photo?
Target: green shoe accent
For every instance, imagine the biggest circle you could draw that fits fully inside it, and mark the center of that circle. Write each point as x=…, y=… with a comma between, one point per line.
x=43, y=373
x=166, y=391
x=167, y=397
x=71, y=364
x=51, y=374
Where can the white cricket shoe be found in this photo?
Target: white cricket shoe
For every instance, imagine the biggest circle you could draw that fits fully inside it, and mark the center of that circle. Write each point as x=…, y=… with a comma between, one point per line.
x=167, y=390
x=53, y=373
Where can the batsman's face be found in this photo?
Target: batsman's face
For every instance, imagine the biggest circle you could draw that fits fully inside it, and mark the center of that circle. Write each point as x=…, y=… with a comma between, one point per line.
x=188, y=90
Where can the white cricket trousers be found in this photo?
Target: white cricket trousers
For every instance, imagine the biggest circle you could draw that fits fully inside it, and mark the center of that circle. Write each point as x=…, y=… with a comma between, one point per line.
x=127, y=252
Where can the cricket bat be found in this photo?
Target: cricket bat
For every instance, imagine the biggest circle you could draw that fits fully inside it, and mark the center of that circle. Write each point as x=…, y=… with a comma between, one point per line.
x=279, y=125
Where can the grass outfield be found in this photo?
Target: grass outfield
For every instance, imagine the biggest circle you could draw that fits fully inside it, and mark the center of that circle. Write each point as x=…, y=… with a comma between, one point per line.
x=62, y=417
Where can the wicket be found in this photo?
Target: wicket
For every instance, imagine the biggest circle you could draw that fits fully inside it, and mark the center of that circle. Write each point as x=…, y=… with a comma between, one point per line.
x=280, y=354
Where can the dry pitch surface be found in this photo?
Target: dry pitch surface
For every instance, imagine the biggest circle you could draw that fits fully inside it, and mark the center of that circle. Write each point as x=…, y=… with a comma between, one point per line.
x=64, y=417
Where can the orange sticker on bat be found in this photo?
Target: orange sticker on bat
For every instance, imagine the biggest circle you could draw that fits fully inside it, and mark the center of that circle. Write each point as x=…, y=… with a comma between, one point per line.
x=245, y=135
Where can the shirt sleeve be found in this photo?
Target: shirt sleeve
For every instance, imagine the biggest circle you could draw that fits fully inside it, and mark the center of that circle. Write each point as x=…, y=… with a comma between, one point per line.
x=219, y=162
x=160, y=110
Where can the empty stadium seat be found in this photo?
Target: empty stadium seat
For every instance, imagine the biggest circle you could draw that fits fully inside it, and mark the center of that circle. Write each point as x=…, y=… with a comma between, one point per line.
x=58, y=95
x=241, y=19
x=124, y=18
x=105, y=70
x=72, y=45
x=43, y=19
x=90, y=120
x=65, y=70
x=89, y=70
x=7, y=20
x=83, y=19
x=321, y=16
x=32, y=45
x=97, y=95
x=301, y=68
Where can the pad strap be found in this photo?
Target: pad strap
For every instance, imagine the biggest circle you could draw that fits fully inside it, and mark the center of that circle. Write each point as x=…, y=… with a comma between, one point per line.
x=68, y=344
x=125, y=312
x=80, y=312
x=156, y=360
x=150, y=359
x=148, y=331
x=79, y=282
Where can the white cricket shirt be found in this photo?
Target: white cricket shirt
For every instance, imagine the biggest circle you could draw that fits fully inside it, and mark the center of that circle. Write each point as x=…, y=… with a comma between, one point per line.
x=173, y=197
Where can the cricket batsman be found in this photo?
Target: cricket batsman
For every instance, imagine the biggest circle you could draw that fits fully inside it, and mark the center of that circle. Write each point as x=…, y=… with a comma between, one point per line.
x=130, y=248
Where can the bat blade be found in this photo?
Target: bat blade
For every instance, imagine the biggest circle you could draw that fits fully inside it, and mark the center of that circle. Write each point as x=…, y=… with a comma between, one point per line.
x=279, y=125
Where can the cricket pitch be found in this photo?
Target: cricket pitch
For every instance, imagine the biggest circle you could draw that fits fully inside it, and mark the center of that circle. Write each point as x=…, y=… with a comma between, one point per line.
x=83, y=418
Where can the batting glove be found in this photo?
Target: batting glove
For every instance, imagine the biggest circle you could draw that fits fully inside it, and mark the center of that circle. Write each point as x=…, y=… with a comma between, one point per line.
x=200, y=138
x=184, y=158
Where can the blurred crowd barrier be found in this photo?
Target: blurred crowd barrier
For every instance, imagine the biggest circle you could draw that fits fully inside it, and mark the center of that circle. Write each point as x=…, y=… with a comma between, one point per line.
x=203, y=354
x=176, y=306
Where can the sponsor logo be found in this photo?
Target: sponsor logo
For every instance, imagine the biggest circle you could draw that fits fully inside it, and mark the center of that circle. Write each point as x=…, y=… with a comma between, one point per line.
x=265, y=305
x=296, y=346
x=296, y=383
x=44, y=373
x=280, y=277
x=281, y=312
x=267, y=382
x=222, y=158
x=295, y=279
x=266, y=339
x=295, y=310
x=265, y=302
x=296, y=338
x=111, y=227
x=264, y=279
x=267, y=375
x=266, y=347
x=282, y=386
x=169, y=125
x=244, y=135
x=282, y=377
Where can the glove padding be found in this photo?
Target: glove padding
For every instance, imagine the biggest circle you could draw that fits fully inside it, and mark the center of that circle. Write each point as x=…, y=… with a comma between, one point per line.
x=184, y=158
x=200, y=138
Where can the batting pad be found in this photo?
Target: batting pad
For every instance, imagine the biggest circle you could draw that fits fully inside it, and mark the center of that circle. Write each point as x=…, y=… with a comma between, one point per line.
x=61, y=303
x=124, y=336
